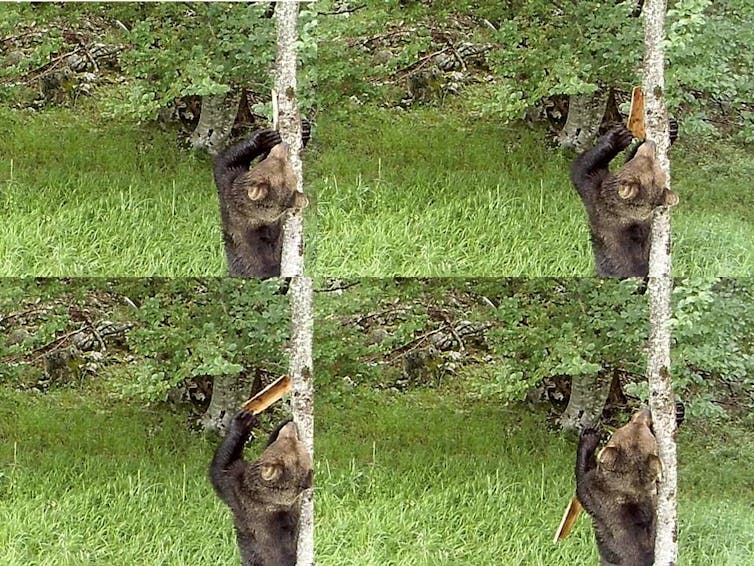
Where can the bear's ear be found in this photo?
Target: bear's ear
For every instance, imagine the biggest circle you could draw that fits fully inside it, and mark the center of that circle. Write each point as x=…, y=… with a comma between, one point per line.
x=671, y=199
x=607, y=457
x=270, y=472
x=628, y=191
x=258, y=191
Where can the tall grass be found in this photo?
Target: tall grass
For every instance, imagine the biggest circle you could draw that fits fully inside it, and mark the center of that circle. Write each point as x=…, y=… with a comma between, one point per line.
x=85, y=482
x=427, y=478
x=83, y=197
x=432, y=192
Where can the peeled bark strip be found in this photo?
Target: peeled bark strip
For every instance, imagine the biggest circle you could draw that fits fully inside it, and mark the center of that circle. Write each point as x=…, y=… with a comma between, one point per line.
x=289, y=125
x=215, y=122
x=661, y=400
x=585, y=112
x=302, y=399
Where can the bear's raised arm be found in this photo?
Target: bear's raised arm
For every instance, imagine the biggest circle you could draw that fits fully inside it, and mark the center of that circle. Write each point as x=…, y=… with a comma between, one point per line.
x=222, y=472
x=588, y=442
x=596, y=161
x=585, y=463
x=236, y=159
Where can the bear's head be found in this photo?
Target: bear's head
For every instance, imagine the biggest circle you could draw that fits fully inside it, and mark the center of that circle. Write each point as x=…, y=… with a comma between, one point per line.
x=283, y=471
x=630, y=461
x=270, y=187
x=640, y=184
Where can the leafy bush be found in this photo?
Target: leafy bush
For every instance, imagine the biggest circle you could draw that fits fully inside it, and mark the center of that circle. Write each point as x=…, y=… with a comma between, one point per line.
x=549, y=328
x=188, y=328
x=181, y=328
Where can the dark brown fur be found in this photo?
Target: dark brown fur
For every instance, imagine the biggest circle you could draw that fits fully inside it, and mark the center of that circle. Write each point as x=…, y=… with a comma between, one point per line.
x=619, y=490
x=620, y=205
x=264, y=495
x=253, y=202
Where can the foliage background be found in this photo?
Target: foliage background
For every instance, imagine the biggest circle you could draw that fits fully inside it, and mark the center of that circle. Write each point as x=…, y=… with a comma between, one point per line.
x=538, y=331
x=184, y=331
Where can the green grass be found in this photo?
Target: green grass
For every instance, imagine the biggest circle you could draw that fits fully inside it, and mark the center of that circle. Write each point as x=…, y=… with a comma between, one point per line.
x=81, y=197
x=82, y=482
x=427, y=478
x=432, y=193
x=415, y=478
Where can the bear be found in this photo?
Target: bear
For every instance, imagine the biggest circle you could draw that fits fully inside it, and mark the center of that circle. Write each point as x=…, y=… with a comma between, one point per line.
x=264, y=495
x=619, y=205
x=254, y=200
x=619, y=489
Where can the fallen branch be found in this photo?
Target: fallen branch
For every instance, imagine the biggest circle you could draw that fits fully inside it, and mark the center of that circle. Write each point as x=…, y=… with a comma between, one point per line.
x=346, y=11
x=418, y=64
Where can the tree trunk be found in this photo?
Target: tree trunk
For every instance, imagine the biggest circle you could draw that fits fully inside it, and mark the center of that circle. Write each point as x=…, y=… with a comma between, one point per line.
x=302, y=399
x=587, y=401
x=585, y=112
x=661, y=399
x=228, y=393
x=289, y=125
x=215, y=122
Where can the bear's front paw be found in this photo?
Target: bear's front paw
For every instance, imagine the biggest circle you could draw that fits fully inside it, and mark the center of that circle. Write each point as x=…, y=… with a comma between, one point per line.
x=620, y=137
x=590, y=439
x=673, y=129
x=243, y=422
x=306, y=131
x=268, y=139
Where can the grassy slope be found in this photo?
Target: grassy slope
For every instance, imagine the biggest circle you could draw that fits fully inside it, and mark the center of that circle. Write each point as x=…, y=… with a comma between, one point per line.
x=425, y=478
x=83, y=198
x=420, y=478
x=83, y=483
x=431, y=193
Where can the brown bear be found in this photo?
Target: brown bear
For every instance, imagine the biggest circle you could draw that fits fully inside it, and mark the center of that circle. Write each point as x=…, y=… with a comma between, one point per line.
x=264, y=495
x=619, y=205
x=619, y=490
x=253, y=202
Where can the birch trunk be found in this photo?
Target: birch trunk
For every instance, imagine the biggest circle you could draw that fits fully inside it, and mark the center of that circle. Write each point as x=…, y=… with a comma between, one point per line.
x=661, y=400
x=302, y=399
x=289, y=125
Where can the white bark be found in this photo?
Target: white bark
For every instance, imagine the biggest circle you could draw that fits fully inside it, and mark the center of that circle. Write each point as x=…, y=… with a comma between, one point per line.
x=661, y=400
x=289, y=125
x=302, y=399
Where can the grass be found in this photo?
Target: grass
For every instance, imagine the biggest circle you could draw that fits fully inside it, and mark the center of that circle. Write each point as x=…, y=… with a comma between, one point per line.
x=420, y=193
x=417, y=478
x=431, y=192
x=428, y=478
x=84, y=482
x=83, y=197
